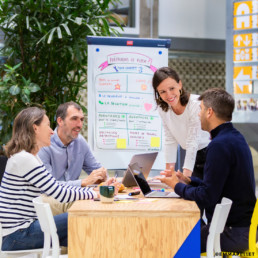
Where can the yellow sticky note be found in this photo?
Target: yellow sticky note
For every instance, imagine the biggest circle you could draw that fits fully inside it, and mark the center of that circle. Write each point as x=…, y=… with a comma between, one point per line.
x=121, y=143
x=155, y=141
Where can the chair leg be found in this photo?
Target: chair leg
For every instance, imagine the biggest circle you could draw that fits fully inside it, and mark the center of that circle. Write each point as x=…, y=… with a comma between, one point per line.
x=46, y=249
x=55, y=246
x=217, y=247
x=209, y=246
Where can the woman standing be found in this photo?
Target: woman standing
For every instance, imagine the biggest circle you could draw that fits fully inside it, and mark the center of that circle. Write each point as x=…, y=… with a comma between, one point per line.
x=25, y=178
x=179, y=113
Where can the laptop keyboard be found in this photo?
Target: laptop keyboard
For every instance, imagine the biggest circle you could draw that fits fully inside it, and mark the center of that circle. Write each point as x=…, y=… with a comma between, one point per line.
x=155, y=193
x=162, y=194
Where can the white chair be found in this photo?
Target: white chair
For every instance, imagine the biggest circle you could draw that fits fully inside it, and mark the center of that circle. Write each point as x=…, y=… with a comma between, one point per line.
x=217, y=226
x=48, y=226
x=18, y=253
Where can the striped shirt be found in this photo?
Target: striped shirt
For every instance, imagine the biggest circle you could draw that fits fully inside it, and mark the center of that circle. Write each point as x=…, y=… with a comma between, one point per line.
x=25, y=178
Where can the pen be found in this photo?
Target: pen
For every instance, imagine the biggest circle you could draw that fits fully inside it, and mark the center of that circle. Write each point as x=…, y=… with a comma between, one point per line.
x=159, y=190
x=134, y=193
x=114, y=178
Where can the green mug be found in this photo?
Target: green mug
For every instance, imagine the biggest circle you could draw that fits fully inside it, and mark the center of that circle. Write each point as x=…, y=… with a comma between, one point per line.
x=107, y=193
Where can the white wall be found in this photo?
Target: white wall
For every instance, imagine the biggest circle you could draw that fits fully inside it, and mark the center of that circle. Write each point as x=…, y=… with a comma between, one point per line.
x=204, y=19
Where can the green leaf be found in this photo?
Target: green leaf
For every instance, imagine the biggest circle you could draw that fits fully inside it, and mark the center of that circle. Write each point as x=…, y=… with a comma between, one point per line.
x=16, y=66
x=6, y=78
x=14, y=90
x=66, y=29
x=47, y=66
x=33, y=87
x=26, y=91
x=36, y=20
x=12, y=18
x=42, y=39
x=25, y=82
x=3, y=88
x=25, y=99
x=27, y=22
x=92, y=30
x=51, y=35
x=84, y=109
x=105, y=4
x=78, y=20
x=59, y=33
x=8, y=66
x=106, y=26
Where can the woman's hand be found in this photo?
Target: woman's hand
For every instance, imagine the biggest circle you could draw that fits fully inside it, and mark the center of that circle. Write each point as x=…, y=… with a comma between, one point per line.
x=112, y=181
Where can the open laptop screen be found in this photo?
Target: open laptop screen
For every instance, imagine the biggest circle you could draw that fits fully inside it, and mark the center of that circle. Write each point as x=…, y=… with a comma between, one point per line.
x=144, y=162
x=139, y=178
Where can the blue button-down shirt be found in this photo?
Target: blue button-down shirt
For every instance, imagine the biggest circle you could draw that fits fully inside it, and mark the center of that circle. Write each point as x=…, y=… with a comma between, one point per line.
x=65, y=163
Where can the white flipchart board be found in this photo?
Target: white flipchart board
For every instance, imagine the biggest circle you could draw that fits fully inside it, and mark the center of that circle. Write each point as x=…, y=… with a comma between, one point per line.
x=122, y=115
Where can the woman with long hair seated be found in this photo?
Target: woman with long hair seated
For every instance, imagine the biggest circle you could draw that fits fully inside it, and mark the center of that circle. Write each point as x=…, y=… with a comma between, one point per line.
x=25, y=178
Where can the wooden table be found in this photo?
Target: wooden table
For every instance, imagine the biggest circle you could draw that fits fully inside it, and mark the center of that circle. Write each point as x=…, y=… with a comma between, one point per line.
x=140, y=229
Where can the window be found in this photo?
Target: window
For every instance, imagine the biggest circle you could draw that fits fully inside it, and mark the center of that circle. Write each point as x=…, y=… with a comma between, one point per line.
x=128, y=12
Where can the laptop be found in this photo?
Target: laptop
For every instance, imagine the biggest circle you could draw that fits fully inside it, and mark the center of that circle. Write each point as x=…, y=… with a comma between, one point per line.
x=145, y=162
x=135, y=171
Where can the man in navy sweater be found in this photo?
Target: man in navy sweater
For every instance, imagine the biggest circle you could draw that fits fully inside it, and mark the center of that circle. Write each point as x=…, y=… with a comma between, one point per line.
x=228, y=172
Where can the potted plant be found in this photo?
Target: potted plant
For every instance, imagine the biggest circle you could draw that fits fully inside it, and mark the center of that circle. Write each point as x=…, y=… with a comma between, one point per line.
x=46, y=50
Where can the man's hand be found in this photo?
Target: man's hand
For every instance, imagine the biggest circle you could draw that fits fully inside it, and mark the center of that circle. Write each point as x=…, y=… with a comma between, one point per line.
x=168, y=171
x=170, y=177
x=187, y=172
x=182, y=178
x=97, y=175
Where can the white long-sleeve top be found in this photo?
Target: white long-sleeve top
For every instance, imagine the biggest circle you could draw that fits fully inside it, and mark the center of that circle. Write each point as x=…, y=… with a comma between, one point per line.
x=185, y=130
x=25, y=178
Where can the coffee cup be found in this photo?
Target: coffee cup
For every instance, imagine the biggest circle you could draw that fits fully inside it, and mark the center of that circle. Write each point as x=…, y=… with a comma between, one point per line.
x=107, y=193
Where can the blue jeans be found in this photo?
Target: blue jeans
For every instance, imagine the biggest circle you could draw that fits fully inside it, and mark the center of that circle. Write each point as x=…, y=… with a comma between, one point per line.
x=32, y=237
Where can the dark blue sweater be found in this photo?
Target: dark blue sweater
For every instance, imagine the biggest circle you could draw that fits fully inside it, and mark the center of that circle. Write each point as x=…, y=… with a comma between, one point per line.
x=228, y=172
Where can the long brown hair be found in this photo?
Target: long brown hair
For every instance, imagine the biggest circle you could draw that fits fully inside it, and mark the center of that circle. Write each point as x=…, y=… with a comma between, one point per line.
x=23, y=136
x=160, y=75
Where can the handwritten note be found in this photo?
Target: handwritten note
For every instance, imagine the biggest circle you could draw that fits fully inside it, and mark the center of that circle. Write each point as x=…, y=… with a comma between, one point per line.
x=126, y=115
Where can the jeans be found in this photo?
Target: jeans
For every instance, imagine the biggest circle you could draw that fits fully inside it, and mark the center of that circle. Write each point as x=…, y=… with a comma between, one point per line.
x=32, y=237
x=232, y=239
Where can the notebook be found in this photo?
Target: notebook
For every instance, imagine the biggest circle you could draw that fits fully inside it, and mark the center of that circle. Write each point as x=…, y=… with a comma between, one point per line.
x=145, y=162
x=135, y=171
